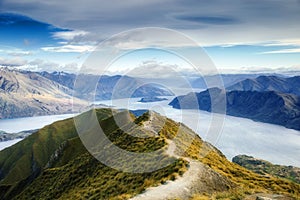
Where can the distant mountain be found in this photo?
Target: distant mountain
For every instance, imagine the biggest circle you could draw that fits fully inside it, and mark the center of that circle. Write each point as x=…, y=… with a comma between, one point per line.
x=270, y=107
x=25, y=93
x=266, y=168
x=106, y=87
x=228, y=80
x=53, y=164
x=151, y=99
x=29, y=94
x=289, y=85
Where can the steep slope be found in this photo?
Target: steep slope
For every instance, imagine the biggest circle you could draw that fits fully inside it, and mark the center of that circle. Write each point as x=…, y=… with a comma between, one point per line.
x=266, y=168
x=29, y=94
x=270, y=107
x=269, y=83
x=104, y=87
x=53, y=164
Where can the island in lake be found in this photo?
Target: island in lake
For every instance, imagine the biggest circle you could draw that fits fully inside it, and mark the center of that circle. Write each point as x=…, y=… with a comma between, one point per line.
x=151, y=99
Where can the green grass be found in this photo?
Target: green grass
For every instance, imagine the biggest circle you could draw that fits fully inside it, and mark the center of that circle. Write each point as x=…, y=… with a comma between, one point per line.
x=68, y=171
x=86, y=178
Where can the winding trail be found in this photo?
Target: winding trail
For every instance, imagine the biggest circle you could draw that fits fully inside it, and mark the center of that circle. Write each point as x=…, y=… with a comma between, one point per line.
x=181, y=187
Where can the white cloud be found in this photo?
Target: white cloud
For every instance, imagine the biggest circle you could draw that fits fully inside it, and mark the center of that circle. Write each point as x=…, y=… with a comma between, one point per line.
x=14, y=62
x=281, y=51
x=69, y=35
x=71, y=67
x=286, y=42
x=41, y=65
x=148, y=37
x=289, y=71
x=45, y=65
x=69, y=48
x=155, y=69
x=252, y=21
x=15, y=52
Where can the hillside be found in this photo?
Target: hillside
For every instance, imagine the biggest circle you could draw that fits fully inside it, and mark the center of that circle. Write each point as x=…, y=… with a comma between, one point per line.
x=269, y=83
x=270, y=107
x=53, y=164
x=29, y=94
x=266, y=168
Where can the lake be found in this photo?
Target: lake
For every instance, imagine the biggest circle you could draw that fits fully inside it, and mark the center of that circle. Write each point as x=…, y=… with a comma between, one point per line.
x=29, y=123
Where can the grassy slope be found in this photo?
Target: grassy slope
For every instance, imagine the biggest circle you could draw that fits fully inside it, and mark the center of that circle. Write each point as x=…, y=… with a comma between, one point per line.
x=28, y=157
x=75, y=174
x=247, y=182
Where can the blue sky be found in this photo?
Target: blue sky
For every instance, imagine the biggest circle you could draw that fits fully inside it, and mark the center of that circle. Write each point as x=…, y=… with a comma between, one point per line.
x=240, y=36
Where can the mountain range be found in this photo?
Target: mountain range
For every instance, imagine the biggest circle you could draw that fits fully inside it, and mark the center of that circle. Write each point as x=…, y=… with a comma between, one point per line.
x=213, y=80
x=290, y=85
x=25, y=93
x=52, y=163
x=268, y=106
x=29, y=94
x=106, y=87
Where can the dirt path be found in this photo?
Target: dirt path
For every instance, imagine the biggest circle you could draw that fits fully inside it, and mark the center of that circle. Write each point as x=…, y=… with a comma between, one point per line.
x=181, y=187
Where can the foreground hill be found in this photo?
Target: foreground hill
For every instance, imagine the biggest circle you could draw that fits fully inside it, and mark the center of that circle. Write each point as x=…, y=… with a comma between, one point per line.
x=270, y=107
x=29, y=94
x=269, y=83
x=53, y=164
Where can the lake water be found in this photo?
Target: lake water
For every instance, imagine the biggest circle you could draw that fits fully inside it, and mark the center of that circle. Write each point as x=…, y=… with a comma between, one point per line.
x=237, y=135
x=29, y=123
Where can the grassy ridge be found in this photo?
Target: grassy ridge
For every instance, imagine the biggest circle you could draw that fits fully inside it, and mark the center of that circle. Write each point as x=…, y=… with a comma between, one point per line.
x=68, y=171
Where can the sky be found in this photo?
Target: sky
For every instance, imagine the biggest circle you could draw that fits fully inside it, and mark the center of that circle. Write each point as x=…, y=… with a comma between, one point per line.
x=239, y=36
